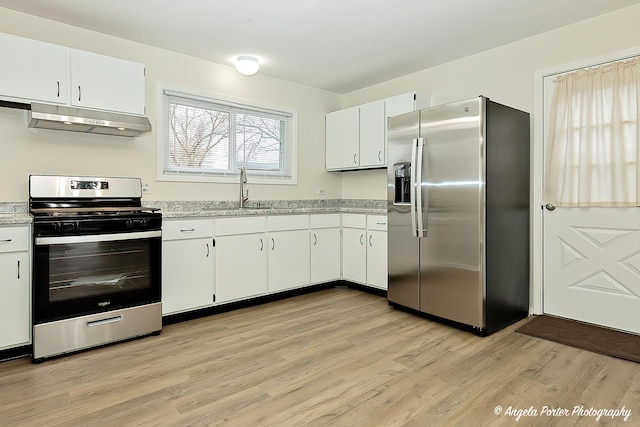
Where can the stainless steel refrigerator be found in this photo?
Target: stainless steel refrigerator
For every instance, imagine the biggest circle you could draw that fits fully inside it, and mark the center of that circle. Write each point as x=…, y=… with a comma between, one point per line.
x=458, y=206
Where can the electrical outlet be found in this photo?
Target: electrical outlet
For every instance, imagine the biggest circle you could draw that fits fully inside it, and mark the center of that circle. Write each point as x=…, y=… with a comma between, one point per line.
x=145, y=188
x=321, y=192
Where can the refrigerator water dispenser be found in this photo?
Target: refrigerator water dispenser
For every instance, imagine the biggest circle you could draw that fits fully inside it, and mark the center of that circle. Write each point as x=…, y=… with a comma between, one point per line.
x=402, y=173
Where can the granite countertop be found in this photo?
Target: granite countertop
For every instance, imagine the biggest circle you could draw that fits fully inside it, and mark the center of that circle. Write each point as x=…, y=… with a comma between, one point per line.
x=268, y=207
x=18, y=213
x=14, y=213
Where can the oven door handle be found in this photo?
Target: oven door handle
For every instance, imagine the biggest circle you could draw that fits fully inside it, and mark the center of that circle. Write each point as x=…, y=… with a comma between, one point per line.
x=40, y=241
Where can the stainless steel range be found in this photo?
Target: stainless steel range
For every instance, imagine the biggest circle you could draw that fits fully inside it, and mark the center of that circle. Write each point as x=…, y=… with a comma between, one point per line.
x=96, y=263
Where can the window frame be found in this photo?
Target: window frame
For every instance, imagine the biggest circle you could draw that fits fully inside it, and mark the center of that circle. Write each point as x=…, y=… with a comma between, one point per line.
x=256, y=176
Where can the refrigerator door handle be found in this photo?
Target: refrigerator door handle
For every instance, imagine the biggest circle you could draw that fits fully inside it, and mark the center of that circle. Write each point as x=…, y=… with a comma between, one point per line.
x=412, y=195
x=418, y=174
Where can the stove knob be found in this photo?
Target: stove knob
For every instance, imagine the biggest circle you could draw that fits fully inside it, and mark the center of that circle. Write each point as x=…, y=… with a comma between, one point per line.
x=57, y=226
x=129, y=223
x=144, y=222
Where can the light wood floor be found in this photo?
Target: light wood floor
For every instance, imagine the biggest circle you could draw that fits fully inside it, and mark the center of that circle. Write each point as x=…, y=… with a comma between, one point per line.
x=337, y=357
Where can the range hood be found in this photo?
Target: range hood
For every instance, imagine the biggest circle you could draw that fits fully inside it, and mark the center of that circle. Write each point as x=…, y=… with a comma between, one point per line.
x=45, y=116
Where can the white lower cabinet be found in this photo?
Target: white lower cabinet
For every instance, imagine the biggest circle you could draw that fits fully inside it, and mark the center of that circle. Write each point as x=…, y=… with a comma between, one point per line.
x=289, y=256
x=354, y=248
x=325, y=248
x=260, y=255
x=15, y=287
x=241, y=258
x=377, y=269
x=364, y=249
x=187, y=265
x=288, y=260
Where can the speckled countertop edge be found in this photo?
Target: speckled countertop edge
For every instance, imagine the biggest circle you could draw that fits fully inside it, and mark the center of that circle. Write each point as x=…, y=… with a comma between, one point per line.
x=18, y=213
x=14, y=213
x=269, y=207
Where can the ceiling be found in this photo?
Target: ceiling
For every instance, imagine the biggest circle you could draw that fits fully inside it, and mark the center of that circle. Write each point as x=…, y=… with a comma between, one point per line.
x=336, y=45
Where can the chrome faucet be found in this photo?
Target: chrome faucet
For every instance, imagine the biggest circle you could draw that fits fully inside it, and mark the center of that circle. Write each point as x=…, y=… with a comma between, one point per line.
x=243, y=181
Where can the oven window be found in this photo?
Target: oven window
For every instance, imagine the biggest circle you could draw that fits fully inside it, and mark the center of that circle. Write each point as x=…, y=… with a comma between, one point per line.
x=91, y=269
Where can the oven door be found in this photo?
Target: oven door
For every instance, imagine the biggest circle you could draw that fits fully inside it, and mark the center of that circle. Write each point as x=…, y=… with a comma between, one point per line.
x=84, y=274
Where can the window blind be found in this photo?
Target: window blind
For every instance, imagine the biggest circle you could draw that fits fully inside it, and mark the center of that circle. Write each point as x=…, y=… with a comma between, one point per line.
x=217, y=138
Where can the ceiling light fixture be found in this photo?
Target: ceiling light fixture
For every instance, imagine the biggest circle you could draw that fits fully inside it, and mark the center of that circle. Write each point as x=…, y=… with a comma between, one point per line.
x=247, y=65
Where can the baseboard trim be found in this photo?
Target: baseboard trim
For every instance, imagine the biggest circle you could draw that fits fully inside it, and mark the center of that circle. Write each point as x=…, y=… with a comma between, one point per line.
x=16, y=352
x=235, y=305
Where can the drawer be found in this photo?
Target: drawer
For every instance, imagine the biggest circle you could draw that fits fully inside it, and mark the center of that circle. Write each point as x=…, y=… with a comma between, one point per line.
x=377, y=222
x=354, y=220
x=325, y=221
x=186, y=229
x=14, y=239
x=245, y=225
x=287, y=222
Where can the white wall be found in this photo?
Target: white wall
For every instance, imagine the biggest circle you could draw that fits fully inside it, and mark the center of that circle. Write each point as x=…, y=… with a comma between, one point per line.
x=505, y=74
x=26, y=151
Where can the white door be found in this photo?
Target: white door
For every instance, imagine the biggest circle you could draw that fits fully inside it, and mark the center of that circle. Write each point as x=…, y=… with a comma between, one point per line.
x=107, y=83
x=377, y=274
x=342, y=139
x=591, y=261
x=187, y=274
x=325, y=255
x=241, y=266
x=354, y=255
x=33, y=70
x=372, y=130
x=288, y=260
x=15, y=319
x=592, y=266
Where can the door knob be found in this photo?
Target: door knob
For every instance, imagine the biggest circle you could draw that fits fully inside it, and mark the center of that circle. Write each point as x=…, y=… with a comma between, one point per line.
x=550, y=207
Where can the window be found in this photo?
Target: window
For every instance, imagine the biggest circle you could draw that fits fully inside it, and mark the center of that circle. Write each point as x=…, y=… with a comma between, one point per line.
x=204, y=139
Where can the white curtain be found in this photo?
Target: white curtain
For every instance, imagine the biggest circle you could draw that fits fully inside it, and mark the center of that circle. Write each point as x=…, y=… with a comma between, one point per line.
x=592, y=154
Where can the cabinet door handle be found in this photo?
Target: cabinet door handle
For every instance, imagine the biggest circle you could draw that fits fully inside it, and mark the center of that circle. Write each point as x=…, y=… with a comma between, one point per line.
x=18, y=269
x=380, y=155
x=5, y=241
x=207, y=250
x=370, y=236
x=355, y=158
x=79, y=93
x=58, y=82
x=315, y=239
x=188, y=230
x=361, y=237
x=273, y=244
x=261, y=245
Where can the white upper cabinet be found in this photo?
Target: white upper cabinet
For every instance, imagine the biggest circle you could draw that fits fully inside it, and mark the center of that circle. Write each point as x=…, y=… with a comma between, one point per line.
x=372, y=135
x=399, y=104
x=32, y=70
x=35, y=71
x=342, y=139
x=107, y=83
x=356, y=137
